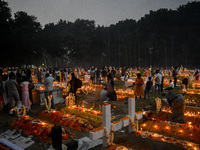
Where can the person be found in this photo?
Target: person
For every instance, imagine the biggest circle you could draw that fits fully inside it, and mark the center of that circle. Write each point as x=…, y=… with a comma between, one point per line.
x=73, y=84
x=92, y=75
x=5, y=99
x=158, y=81
x=185, y=84
x=111, y=94
x=197, y=76
x=97, y=74
x=39, y=76
x=190, y=80
x=48, y=83
x=177, y=104
x=25, y=92
x=19, y=76
x=61, y=75
x=56, y=137
x=104, y=74
x=171, y=85
x=139, y=92
x=12, y=93
x=148, y=88
x=161, y=86
x=29, y=77
x=175, y=74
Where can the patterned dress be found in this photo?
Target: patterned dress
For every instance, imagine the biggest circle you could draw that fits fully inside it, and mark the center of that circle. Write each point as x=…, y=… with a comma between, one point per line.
x=25, y=94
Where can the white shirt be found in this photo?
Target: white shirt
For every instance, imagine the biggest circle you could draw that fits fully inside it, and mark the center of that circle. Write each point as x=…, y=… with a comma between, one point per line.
x=158, y=79
x=48, y=82
x=171, y=84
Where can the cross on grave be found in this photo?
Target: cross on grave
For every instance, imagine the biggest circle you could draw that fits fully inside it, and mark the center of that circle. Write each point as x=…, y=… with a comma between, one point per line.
x=111, y=127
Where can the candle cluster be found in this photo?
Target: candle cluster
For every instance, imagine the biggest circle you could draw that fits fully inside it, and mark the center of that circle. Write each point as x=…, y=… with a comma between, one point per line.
x=89, y=114
x=32, y=126
x=70, y=100
x=160, y=137
x=67, y=120
x=89, y=88
x=187, y=101
x=34, y=79
x=192, y=116
x=121, y=94
x=186, y=131
x=40, y=88
x=193, y=94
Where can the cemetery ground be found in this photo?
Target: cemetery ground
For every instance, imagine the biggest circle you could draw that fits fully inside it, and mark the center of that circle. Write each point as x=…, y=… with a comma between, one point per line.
x=119, y=109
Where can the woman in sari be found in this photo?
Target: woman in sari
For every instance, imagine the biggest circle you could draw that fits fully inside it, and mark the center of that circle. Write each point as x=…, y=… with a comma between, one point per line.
x=139, y=92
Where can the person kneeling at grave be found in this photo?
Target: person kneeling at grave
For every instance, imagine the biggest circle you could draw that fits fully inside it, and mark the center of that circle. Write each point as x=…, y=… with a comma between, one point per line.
x=177, y=104
x=111, y=94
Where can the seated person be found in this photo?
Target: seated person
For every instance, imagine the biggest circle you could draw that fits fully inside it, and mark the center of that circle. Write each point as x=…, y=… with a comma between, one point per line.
x=171, y=85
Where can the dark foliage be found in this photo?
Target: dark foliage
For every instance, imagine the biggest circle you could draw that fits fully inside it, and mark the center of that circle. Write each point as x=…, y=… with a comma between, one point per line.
x=161, y=38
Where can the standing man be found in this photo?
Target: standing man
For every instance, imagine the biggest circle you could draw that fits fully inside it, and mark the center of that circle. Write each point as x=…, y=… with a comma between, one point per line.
x=148, y=88
x=73, y=83
x=48, y=83
x=12, y=93
x=158, y=81
x=175, y=74
x=97, y=73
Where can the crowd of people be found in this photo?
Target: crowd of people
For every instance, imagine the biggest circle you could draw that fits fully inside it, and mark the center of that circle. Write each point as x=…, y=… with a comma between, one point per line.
x=15, y=90
x=16, y=84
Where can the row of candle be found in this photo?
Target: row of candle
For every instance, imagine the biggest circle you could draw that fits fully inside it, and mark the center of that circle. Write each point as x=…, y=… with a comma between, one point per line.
x=190, y=114
x=89, y=114
x=160, y=137
x=186, y=131
x=187, y=101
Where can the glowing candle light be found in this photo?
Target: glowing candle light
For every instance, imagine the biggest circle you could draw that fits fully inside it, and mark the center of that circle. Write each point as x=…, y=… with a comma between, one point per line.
x=180, y=131
x=144, y=125
x=167, y=128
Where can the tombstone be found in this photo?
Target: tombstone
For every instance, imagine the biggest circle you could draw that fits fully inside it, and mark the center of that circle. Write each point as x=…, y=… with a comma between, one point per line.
x=158, y=105
x=131, y=111
x=106, y=111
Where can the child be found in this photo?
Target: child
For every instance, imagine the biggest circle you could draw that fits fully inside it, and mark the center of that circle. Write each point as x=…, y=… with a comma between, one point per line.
x=171, y=85
x=25, y=92
x=148, y=88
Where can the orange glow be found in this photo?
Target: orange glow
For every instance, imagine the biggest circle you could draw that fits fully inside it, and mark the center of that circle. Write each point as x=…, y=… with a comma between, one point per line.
x=144, y=125
x=167, y=128
x=43, y=123
x=180, y=131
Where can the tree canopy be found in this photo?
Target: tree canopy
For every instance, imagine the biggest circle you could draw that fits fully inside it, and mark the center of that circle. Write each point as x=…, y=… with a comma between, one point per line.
x=161, y=38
